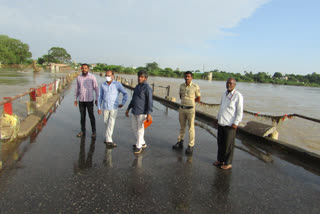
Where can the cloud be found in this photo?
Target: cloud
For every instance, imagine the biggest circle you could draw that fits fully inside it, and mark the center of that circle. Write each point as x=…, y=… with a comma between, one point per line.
x=125, y=31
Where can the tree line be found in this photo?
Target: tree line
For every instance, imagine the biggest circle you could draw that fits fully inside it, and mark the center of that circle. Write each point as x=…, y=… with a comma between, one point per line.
x=13, y=51
x=261, y=77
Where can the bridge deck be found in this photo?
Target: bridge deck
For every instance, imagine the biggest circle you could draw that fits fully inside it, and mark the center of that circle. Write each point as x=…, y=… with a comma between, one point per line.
x=53, y=171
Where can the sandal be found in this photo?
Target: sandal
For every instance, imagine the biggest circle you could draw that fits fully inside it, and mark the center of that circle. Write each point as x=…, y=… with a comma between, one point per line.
x=110, y=144
x=226, y=166
x=217, y=163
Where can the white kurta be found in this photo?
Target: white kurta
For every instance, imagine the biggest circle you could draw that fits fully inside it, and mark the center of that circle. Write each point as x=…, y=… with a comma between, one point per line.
x=231, y=108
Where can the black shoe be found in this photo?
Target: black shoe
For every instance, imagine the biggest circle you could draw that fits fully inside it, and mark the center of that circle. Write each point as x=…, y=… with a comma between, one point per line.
x=110, y=144
x=178, y=145
x=81, y=134
x=143, y=146
x=137, y=150
x=94, y=135
x=189, y=150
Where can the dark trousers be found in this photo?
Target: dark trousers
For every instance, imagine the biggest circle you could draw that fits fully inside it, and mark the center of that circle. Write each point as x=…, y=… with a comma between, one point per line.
x=226, y=137
x=83, y=106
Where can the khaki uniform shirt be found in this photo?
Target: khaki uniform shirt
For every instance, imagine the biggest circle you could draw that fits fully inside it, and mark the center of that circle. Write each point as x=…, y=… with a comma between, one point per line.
x=189, y=93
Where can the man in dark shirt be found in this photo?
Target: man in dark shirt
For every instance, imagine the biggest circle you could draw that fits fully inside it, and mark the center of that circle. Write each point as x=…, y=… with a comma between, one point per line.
x=141, y=105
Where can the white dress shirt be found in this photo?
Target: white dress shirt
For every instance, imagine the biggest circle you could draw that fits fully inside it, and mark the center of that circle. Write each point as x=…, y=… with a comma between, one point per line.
x=231, y=108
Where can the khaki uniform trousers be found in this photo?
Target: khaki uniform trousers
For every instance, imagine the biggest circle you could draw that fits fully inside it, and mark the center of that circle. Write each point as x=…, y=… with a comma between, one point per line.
x=186, y=116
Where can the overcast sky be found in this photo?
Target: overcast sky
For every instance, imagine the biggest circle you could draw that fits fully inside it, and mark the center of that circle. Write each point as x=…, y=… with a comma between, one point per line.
x=230, y=35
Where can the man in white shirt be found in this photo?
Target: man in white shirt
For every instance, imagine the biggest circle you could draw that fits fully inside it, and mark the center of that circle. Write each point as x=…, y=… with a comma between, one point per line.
x=229, y=116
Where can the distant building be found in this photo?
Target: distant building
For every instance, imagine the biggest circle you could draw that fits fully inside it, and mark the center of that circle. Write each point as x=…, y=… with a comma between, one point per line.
x=207, y=75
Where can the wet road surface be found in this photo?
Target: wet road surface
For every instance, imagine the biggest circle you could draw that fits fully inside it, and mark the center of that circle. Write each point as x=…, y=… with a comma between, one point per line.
x=56, y=172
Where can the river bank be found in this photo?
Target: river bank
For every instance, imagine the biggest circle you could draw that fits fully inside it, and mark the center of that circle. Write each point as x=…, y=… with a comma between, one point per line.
x=310, y=80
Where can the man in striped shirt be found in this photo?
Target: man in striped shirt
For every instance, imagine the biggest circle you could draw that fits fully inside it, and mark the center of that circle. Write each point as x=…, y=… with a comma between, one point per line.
x=86, y=85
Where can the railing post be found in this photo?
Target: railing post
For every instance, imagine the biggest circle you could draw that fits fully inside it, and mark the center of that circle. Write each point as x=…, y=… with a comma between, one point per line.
x=32, y=94
x=152, y=88
x=55, y=86
x=31, y=105
x=39, y=97
x=50, y=87
x=60, y=84
x=44, y=88
x=44, y=121
x=7, y=107
x=168, y=90
x=39, y=94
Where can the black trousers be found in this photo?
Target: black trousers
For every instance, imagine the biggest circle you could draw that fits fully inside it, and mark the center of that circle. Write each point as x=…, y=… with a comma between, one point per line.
x=226, y=137
x=83, y=106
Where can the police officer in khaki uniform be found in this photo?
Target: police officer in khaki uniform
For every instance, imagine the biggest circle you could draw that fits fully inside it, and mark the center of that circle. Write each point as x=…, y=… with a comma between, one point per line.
x=189, y=94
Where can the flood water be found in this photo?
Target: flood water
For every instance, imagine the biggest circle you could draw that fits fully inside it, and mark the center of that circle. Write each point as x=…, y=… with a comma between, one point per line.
x=267, y=99
x=14, y=81
x=264, y=98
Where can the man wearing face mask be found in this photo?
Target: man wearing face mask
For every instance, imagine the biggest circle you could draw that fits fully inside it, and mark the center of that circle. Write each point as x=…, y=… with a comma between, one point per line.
x=108, y=101
x=86, y=85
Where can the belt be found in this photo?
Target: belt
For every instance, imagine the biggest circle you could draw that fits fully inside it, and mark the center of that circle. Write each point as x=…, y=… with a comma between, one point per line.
x=186, y=107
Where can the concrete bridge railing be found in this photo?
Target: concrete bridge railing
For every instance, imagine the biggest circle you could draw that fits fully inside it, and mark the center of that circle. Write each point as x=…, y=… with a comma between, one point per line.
x=37, y=99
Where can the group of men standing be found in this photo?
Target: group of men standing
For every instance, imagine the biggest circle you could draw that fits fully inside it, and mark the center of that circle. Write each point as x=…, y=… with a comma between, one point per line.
x=107, y=101
x=107, y=96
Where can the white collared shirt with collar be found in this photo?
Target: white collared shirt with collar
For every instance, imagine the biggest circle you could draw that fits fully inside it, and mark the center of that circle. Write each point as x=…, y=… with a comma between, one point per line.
x=231, y=108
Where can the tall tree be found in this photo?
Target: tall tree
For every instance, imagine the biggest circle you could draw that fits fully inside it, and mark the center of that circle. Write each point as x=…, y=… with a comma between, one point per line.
x=13, y=51
x=58, y=55
x=152, y=66
x=277, y=75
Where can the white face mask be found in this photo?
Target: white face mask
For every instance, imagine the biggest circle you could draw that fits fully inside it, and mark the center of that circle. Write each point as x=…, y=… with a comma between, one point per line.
x=108, y=79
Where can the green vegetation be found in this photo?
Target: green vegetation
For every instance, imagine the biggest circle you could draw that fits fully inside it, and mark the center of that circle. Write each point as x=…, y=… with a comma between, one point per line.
x=13, y=51
x=56, y=55
x=260, y=77
x=153, y=69
x=277, y=78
